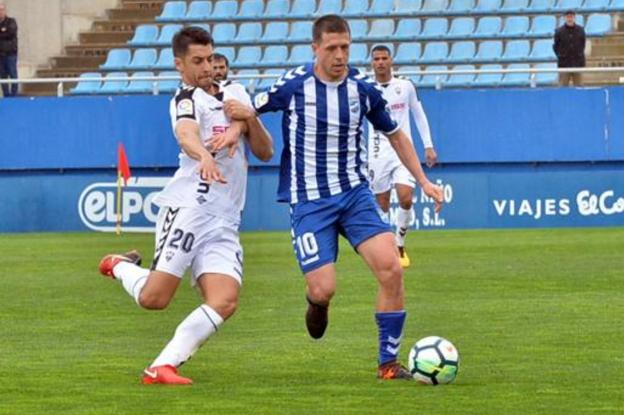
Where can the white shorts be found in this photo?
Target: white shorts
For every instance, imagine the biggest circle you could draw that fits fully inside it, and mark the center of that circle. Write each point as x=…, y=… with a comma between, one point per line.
x=387, y=172
x=189, y=237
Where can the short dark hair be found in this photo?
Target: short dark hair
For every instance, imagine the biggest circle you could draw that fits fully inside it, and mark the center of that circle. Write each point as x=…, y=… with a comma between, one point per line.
x=572, y=12
x=381, y=48
x=191, y=35
x=330, y=23
x=219, y=56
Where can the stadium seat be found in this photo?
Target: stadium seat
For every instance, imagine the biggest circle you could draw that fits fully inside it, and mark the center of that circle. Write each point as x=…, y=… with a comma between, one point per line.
x=516, y=50
x=224, y=33
x=228, y=52
x=381, y=29
x=168, y=86
x=488, y=6
x=224, y=9
x=250, y=9
x=489, y=79
x=274, y=55
x=435, y=52
x=145, y=35
x=166, y=34
x=461, y=27
x=381, y=7
x=142, y=86
x=563, y=5
x=275, y=32
x=276, y=9
x=300, y=31
x=89, y=84
x=300, y=55
x=408, y=52
x=407, y=6
x=434, y=6
x=329, y=7
x=116, y=59
x=143, y=59
x=516, y=26
x=172, y=11
x=598, y=24
x=489, y=51
x=463, y=51
x=546, y=78
x=516, y=79
x=488, y=27
x=113, y=87
x=515, y=6
x=359, y=28
x=616, y=5
x=435, y=28
x=302, y=9
x=429, y=81
x=460, y=7
x=355, y=8
x=358, y=55
x=249, y=32
x=543, y=26
x=198, y=11
x=165, y=59
x=248, y=83
x=247, y=56
x=542, y=51
x=541, y=5
x=266, y=83
x=461, y=80
x=414, y=78
x=407, y=29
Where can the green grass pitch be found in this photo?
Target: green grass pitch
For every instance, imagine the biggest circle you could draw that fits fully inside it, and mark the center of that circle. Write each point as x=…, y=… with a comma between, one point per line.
x=535, y=314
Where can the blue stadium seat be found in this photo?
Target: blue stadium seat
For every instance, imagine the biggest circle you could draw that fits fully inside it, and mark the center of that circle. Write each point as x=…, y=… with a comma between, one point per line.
x=489, y=51
x=266, y=83
x=463, y=51
x=381, y=29
x=408, y=52
x=145, y=35
x=250, y=9
x=546, y=78
x=224, y=9
x=275, y=32
x=204, y=26
x=516, y=26
x=113, y=87
x=137, y=86
x=434, y=6
x=359, y=28
x=462, y=27
x=302, y=9
x=488, y=6
x=381, y=7
x=414, y=78
x=143, y=59
x=461, y=80
x=329, y=7
x=224, y=33
x=516, y=79
x=430, y=81
x=300, y=31
x=227, y=51
x=516, y=50
x=172, y=11
x=274, y=55
x=248, y=83
x=616, y=5
x=166, y=34
x=247, y=56
x=165, y=59
x=542, y=51
x=116, y=59
x=541, y=5
x=300, y=55
x=435, y=28
x=407, y=29
x=515, y=6
x=543, y=26
x=355, y=8
x=489, y=79
x=358, y=54
x=276, y=9
x=168, y=86
x=249, y=32
x=89, y=84
x=488, y=27
x=435, y=52
x=198, y=10
x=563, y=5
x=407, y=6
x=598, y=24
x=460, y=7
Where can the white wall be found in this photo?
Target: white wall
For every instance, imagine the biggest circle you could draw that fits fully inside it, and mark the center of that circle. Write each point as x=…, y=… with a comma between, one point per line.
x=45, y=26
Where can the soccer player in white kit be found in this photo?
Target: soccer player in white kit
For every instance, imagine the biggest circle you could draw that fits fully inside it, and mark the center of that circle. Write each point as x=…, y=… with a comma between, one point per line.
x=385, y=167
x=200, y=208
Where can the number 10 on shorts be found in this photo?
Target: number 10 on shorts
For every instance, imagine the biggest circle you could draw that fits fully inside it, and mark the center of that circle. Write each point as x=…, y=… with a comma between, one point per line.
x=308, y=248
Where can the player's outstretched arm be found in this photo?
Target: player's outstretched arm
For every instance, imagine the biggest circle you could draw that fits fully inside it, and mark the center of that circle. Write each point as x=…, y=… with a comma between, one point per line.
x=187, y=134
x=405, y=150
x=260, y=141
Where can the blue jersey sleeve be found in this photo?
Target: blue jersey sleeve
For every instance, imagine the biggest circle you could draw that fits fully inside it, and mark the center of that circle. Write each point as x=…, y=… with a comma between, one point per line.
x=378, y=113
x=277, y=98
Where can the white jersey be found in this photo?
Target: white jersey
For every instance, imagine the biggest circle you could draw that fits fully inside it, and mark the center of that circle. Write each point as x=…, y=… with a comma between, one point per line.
x=186, y=188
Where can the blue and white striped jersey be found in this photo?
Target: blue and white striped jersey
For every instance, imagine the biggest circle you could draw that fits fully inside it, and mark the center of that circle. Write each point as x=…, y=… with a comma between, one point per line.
x=324, y=145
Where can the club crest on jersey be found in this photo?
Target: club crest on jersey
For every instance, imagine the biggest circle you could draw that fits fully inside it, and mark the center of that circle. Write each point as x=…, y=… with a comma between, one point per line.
x=185, y=107
x=261, y=100
x=397, y=90
x=354, y=105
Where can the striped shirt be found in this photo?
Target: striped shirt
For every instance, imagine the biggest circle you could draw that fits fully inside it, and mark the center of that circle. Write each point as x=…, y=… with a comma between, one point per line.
x=324, y=145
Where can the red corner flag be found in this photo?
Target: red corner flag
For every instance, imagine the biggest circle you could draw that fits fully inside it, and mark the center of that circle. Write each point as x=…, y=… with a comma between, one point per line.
x=123, y=168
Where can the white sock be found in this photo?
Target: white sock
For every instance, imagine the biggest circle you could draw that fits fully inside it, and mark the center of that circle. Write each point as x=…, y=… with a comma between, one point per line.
x=404, y=217
x=132, y=277
x=189, y=336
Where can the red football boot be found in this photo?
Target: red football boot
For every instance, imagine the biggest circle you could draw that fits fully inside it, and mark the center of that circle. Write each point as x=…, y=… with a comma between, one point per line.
x=109, y=261
x=164, y=375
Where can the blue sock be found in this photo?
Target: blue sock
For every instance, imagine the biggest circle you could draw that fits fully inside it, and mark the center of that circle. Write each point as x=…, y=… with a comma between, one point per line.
x=390, y=326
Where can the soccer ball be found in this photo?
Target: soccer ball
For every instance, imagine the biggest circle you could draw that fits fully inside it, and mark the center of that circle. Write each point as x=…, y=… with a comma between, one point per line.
x=434, y=361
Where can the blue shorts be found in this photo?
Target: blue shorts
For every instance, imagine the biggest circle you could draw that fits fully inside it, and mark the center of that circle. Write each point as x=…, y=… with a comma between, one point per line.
x=316, y=224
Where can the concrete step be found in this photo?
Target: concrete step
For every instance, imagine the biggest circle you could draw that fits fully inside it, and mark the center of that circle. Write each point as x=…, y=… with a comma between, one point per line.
x=141, y=4
x=123, y=25
x=65, y=62
x=65, y=73
x=132, y=14
x=92, y=50
x=103, y=37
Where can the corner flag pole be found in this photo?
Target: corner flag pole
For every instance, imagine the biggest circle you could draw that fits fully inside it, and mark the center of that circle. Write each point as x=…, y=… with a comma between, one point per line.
x=123, y=172
x=118, y=208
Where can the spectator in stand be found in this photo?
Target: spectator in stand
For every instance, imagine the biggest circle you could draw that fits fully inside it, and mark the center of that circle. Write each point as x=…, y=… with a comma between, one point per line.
x=8, y=51
x=220, y=68
x=569, y=47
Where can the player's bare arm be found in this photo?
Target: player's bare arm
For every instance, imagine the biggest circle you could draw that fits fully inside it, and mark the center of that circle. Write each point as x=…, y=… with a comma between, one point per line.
x=187, y=133
x=229, y=138
x=405, y=150
x=260, y=141
x=431, y=157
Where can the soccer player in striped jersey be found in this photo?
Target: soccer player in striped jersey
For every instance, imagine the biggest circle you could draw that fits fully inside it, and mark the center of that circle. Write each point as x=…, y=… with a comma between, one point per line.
x=323, y=178
x=385, y=167
x=200, y=208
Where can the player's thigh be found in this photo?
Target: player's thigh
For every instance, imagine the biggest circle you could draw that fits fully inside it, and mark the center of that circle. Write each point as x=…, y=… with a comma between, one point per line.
x=380, y=176
x=405, y=194
x=383, y=200
x=158, y=290
x=220, y=292
x=321, y=283
x=382, y=257
x=360, y=218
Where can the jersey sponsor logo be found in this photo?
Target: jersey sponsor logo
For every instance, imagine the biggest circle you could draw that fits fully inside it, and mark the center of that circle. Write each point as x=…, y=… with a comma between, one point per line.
x=219, y=129
x=354, y=105
x=397, y=106
x=185, y=107
x=261, y=100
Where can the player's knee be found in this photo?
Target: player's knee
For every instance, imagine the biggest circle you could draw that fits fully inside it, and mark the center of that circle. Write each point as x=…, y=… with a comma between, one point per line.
x=384, y=205
x=321, y=293
x=390, y=273
x=153, y=302
x=225, y=307
x=406, y=203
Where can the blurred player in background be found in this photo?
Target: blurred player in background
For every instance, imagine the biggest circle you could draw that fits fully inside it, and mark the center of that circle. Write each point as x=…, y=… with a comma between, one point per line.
x=200, y=208
x=220, y=68
x=385, y=167
x=323, y=178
